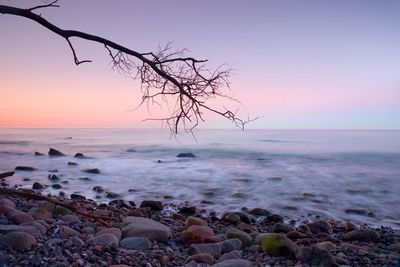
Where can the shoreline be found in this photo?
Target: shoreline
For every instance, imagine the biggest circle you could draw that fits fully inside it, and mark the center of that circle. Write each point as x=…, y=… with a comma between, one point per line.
x=158, y=234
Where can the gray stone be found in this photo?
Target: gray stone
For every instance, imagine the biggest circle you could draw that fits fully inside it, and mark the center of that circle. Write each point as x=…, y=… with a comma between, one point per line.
x=8, y=228
x=143, y=227
x=362, y=235
x=55, y=153
x=70, y=219
x=282, y=228
x=111, y=230
x=7, y=202
x=6, y=174
x=136, y=243
x=186, y=155
x=25, y=168
x=105, y=239
x=244, y=237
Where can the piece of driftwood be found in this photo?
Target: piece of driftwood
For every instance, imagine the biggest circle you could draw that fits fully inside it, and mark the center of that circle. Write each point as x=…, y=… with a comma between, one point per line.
x=69, y=205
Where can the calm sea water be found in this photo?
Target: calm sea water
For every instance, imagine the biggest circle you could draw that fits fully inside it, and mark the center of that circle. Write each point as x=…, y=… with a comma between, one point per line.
x=292, y=172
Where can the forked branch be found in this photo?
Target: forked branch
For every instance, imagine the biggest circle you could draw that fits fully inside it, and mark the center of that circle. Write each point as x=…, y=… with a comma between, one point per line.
x=166, y=75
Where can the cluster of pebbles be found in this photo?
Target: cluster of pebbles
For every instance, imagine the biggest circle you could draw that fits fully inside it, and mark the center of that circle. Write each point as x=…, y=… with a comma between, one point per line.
x=40, y=233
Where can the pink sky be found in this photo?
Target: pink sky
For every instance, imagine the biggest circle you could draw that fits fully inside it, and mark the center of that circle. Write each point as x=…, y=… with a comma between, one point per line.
x=310, y=65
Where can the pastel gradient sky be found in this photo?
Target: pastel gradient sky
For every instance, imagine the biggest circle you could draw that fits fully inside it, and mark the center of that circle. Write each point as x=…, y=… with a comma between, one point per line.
x=300, y=64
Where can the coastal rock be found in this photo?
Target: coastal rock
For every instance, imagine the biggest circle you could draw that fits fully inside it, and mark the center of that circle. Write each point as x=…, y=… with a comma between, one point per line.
x=320, y=227
x=327, y=245
x=349, y=226
x=153, y=204
x=216, y=249
x=278, y=245
x=71, y=163
x=186, y=155
x=136, y=243
x=79, y=155
x=53, y=177
x=56, y=186
x=322, y=258
x=38, y=154
x=367, y=235
x=39, y=226
x=201, y=258
x=6, y=174
x=19, y=241
x=282, y=228
x=244, y=217
x=233, y=263
x=259, y=212
x=60, y=211
x=274, y=218
x=191, y=220
x=70, y=219
x=230, y=245
x=244, y=237
x=231, y=218
x=235, y=254
x=39, y=213
x=8, y=228
x=55, y=153
x=19, y=217
x=110, y=194
x=394, y=247
x=304, y=253
x=91, y=170
x=196, y=234
x=111, y=230
x=25, y=168
x=98, y=189
x=66, y=231
x=143, y=227
x=7, y=202
x=105, y=239
x=77, y=197
x=187, y=210
x=37, y=186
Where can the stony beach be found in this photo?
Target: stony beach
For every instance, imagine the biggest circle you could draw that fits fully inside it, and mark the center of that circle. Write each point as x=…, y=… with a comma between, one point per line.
x=60, y=230
x=39, y=233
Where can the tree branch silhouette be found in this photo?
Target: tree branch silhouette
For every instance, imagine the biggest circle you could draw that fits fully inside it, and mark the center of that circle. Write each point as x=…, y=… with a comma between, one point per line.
x=165, y=75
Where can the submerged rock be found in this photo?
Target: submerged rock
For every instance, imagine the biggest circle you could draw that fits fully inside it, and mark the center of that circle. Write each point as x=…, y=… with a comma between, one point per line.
x=186, y=155
x=71, y=163
x=55, y=153
x=92, y=170
x=6, y=174
x=25, y=168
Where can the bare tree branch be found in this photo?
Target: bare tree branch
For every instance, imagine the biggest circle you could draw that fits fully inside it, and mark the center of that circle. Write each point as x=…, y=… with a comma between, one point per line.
x=165, y=75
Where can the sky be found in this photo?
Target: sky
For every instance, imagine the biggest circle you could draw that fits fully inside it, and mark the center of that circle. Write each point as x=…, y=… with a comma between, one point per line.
x=298, y=64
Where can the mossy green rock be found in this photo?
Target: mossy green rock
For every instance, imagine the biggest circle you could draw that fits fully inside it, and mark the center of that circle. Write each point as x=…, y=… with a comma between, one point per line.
x=242, y=236
x=277, y=244
x=60, y=211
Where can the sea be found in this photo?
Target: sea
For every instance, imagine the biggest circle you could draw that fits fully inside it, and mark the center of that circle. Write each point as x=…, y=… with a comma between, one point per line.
x=301, y=174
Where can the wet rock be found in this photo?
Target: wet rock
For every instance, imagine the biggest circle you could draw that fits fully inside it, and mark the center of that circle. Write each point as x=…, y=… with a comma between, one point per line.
x=278, y=245
x=38, y=154
x=37, y=186
x=6, y=174
x=356, y=211
x=19, y=241
x=232, y=218
x=53, y=177
x=201, y=258
x=233, y=263
x=153, y=204
x=187, y=210
x=322, y=258
x=111, y=230
x=304, y=254
x=131, y=150
x=77, y=197
x=191, y=220
x=320, y=227
x=282, y=228
x=274, y=218
x=84, y=179
x=136, y=243
x=143, y=227
x=244, y=217
x=186, y=155
x=98, y=189
x=120, y=203
x=362, y=235
x=92, y=170
x=105, y=239
x=230, y=245
x=259, y=212
x=71, y=163
x=70, y=219
x=244, y=237
x=25, y=168
x=196, y=234
x=56, y=186
x=349, y=226
x=40, y=213
x=110, y=194
x=55, y=153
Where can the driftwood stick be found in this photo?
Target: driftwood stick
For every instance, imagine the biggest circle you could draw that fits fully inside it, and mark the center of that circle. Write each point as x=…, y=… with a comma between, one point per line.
x=70, y=206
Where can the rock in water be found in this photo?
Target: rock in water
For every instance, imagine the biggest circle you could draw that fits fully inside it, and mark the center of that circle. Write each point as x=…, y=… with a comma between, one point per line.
x=320, y=227
x=92, y=170
x=6, y=174
x=186, y=155
x=143, y=227
x=18, y=241
x=55, y=153
x=24, y=168
x=37, y=186
x=278, y=245
x=79, y=155
x=153, y=204
x=38, y=154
